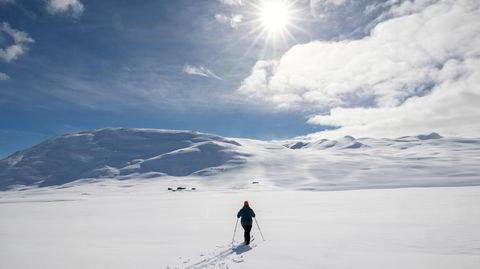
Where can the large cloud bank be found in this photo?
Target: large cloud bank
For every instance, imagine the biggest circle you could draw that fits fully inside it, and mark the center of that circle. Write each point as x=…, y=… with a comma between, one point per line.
x=418, y=71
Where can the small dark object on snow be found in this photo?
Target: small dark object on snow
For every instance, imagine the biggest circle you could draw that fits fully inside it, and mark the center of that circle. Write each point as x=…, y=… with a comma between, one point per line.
x=255, y=182
x=170, y=189
x=298, y=145
x=194, y=189
x=180, y=188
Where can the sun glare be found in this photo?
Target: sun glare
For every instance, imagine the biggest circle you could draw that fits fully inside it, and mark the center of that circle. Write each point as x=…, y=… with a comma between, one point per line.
x=275, y=19
x=275, y=22
x=274, y=16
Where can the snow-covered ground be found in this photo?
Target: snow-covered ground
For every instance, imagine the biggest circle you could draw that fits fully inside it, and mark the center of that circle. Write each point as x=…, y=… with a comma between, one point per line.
x=99, y=199
x=139, y=224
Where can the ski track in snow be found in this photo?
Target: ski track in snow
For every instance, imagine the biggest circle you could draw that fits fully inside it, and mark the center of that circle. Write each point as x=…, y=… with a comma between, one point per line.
x=223, y=258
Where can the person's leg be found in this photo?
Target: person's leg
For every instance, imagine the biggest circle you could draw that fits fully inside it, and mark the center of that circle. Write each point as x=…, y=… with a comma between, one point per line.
x=248, y=228
x=244, y=232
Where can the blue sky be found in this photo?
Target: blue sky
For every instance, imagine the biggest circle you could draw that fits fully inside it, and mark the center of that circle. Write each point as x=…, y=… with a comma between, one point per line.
x=83, y=72
x=72, y=65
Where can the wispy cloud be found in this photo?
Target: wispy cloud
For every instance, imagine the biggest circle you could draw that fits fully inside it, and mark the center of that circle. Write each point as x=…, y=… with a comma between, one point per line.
x=7, y=1
x=233, y=2
x=141, y=87
x=200, y=71
x=322, y=8
x=414, y=73
x=19, y=46
x=328, y=2
x=74, y=7
x=4, y=76
x=233, y=20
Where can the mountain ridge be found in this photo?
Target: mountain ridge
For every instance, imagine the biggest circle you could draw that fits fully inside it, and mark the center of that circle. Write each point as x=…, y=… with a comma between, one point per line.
x=347, y=162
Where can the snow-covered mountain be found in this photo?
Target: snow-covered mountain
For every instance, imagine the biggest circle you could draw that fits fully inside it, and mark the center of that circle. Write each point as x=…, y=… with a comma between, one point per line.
x=344, y=163
x=119, y=153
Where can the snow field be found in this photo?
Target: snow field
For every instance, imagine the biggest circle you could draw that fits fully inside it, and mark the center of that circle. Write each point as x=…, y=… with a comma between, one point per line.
x=141, y=225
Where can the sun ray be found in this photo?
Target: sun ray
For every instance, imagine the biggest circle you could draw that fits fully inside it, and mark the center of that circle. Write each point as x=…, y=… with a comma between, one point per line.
x=272, y=26
x=275, y=18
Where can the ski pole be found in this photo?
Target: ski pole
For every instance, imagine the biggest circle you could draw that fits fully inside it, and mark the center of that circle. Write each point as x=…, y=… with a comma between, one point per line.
x=234, y=231
x=259, y=229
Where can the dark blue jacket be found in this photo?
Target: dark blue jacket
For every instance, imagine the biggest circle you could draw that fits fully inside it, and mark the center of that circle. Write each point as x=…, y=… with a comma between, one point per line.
x=246, y=213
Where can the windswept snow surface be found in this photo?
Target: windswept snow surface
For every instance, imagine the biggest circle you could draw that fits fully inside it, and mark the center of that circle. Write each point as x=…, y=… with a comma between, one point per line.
x=340, y=164
x=139, y=224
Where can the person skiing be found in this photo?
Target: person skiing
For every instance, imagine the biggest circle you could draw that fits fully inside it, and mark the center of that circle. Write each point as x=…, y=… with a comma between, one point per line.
x=246, y=213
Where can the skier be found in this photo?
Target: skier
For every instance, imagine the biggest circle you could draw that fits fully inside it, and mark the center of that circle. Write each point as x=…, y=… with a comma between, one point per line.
x=246, y=213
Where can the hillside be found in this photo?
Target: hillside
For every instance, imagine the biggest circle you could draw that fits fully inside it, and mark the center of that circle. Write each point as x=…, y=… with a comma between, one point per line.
x=118, y=153
x=322, y=164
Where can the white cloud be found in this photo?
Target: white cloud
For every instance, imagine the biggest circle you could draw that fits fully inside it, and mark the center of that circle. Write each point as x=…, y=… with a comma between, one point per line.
x=414, y=73
x=199, y=71
x=321, y=8
x=19, y=46
x=4, y=76
x=328, y=2
x=64, y=6
x=452, y=109
x=233, y=20
x=233, y=2
x=406, y=7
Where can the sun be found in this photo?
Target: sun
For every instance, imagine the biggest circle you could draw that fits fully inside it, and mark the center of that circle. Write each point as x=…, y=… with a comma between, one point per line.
x=274, y=16
x=275, y=22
